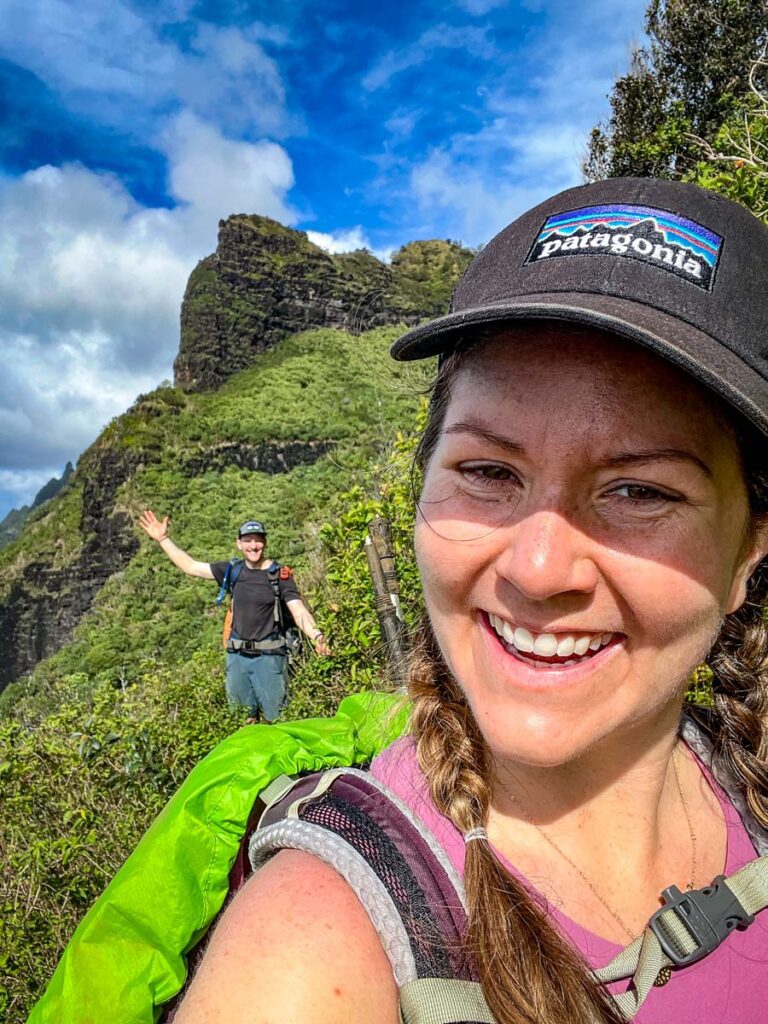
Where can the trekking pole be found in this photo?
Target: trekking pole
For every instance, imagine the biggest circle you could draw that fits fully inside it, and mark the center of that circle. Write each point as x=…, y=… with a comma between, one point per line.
x=386, y=593
x=380, y=534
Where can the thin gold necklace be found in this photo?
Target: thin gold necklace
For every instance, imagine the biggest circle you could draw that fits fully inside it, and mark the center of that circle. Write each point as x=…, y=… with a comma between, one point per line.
x=692, y=881
x=617, y=917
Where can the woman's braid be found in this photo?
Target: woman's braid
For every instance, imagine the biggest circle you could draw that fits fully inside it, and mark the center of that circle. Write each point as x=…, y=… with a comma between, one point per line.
x=529, y=974
x=739, y=663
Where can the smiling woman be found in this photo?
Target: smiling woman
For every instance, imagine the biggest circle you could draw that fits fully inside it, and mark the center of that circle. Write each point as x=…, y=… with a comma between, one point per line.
x=591, y=528
x=563, y=520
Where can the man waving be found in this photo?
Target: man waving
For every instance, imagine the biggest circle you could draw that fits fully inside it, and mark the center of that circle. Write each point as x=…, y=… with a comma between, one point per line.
x=257, y=654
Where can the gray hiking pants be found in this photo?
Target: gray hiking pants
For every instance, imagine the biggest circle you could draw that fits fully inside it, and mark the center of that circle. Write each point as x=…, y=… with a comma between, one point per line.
x=258, y=682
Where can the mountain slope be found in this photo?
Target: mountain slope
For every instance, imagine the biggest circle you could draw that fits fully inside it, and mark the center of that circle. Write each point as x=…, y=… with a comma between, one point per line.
x=101, y=733
x=278, y=440
x=11, y=526
x=264, y=284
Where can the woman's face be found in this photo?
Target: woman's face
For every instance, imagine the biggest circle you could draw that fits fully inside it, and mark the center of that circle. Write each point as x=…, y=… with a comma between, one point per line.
x=582, y=532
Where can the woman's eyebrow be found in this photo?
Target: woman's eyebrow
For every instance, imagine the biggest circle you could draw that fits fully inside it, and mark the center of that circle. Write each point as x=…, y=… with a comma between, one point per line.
x=655, y=455
x=476, y=430
x=617, y=460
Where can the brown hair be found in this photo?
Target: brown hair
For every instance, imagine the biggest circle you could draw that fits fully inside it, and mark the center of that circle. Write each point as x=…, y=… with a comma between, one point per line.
x=529, y=973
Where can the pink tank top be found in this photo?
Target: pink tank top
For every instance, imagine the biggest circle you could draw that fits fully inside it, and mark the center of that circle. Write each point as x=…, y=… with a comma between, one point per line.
x=730, y=986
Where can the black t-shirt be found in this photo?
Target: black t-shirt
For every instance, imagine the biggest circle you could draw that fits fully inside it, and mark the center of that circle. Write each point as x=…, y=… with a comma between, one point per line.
x=254, y=600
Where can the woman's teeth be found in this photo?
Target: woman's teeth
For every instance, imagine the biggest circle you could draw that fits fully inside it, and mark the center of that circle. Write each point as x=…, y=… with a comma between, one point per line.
x=547, y=645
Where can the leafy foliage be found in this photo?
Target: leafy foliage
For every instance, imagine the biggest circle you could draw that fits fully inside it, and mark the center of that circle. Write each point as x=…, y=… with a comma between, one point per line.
x=80, y=785
x=736, y=161
x=684, y=85
x=93, y=744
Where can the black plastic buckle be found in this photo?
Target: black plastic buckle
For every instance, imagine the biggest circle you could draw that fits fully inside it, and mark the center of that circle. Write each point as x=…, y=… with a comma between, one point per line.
x=709, y=915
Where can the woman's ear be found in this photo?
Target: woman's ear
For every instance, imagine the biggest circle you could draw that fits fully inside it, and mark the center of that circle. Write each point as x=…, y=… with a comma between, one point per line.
x=738, y=592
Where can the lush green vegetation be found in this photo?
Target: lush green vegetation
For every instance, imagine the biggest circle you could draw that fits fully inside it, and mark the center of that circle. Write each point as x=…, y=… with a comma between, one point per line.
x=95, y=741
x=668, y=109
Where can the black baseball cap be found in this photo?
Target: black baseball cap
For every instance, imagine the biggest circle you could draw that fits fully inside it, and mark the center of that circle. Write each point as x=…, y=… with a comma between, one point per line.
x=673, y=267
x=252, y=526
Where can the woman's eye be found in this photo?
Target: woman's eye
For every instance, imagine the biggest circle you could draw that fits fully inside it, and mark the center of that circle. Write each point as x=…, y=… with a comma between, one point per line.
x=643, y=493
x=486, y=473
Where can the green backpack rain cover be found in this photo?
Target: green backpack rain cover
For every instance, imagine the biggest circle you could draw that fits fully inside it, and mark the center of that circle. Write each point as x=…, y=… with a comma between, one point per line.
x=127, y=956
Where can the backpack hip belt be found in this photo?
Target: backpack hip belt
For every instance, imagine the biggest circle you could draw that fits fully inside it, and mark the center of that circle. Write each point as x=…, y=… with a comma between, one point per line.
x=257, y=646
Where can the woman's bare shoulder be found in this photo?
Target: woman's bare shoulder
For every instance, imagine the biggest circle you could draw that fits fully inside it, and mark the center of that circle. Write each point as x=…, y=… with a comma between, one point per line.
x=294, y=945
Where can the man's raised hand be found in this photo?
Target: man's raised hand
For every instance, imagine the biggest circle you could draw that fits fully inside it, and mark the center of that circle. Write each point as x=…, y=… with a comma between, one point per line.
x=156, y=528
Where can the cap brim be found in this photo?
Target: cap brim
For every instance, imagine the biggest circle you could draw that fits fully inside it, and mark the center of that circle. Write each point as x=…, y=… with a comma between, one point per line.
x=704, y=357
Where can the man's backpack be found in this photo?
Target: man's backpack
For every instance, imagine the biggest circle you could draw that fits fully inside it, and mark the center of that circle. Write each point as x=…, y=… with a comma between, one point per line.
x=284, y=623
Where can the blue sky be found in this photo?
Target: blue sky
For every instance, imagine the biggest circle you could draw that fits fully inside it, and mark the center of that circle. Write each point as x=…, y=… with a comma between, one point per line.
x=127, y=129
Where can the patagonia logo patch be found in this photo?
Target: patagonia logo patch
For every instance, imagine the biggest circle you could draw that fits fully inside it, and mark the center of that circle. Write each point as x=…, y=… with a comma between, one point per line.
x=663, y=239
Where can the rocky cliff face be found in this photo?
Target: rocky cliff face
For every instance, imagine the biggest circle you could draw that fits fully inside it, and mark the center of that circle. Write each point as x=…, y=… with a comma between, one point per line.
x=266, y=281
x=46, y=603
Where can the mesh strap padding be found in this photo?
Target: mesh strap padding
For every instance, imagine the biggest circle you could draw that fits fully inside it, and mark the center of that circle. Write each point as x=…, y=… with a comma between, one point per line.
x=402, y=877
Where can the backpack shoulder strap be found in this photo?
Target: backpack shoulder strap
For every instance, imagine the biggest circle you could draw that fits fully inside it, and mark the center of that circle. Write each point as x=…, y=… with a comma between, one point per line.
x=417, y=904
x=231, y=574
x=685, y=929
x=692, y=924
x=403, y=878
x=274, y=577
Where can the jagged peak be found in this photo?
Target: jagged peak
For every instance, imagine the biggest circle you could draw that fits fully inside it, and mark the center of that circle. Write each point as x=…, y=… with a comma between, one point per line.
x=267, y=281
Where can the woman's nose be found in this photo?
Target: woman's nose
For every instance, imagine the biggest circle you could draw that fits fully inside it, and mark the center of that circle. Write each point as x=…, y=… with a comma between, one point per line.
x=546, y=555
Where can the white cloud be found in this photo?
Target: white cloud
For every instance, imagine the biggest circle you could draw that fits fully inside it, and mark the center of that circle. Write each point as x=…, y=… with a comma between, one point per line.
x=347, y=240
x=340, y=241
x=534, y=124
x=114, y=64
x=215, y=176
x=54, y=400
x=22, y=485
x=79, y=257
x=91, y=283
x=439, y=37
x=473, y=206
x=230, y=80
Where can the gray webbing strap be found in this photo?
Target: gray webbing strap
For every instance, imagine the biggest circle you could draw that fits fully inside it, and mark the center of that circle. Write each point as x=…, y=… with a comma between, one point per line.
x=276, y=789
x=257, y=645
x=443, y=1001
x=750, y=885
x=281, y=785
x=645, y=957
x=446, y=1001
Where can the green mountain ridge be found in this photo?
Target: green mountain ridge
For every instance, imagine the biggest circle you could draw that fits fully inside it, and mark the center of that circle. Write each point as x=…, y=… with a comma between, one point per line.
x=266, y=281
x=277, y=440
x=264, y=284
x=12, y=524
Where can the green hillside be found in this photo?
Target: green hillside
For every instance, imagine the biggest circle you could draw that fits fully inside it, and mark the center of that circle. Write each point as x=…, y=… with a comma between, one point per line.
x=94, y=741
